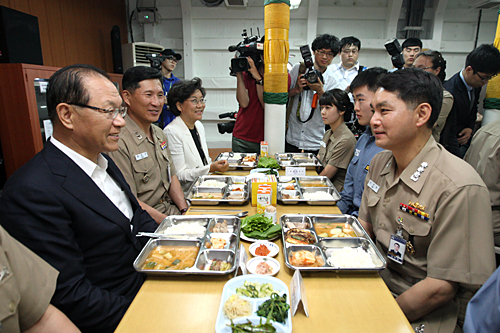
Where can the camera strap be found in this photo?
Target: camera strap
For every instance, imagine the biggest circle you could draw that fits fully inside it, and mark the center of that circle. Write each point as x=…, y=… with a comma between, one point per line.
x=313, y=107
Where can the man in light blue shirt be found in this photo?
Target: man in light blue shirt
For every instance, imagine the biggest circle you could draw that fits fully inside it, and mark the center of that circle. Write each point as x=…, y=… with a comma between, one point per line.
x=363, y=88
x=483, y=310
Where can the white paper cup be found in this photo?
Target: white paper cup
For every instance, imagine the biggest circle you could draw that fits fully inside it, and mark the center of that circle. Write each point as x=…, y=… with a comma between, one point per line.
x=272, y=216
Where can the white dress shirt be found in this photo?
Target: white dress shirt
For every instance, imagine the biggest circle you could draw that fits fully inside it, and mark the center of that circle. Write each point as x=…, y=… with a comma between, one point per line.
x=97, y=172
x=308, y=135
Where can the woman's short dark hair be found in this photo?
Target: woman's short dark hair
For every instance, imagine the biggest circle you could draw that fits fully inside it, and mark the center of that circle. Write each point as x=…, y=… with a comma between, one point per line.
x=181, y=91
x=340, y=99
x=437, y=62
x=66, y=86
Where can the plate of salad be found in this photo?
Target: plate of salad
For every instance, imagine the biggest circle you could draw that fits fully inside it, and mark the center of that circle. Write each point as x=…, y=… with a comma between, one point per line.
x=258, y=227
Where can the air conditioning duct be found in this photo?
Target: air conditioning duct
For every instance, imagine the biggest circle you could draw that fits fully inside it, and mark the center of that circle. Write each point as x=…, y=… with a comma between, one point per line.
x=486, y=4
x=134, y=54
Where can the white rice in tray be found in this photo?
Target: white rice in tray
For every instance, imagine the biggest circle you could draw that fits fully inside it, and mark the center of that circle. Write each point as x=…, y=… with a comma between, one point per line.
x=212, y=183
x=318, y=196
x=350, y=258
x=186, y=228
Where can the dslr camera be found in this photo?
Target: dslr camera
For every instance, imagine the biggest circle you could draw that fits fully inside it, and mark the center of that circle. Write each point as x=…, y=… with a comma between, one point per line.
x=155, y=60
x=228, y=126
x=394, y=49
x=252, y=47
x=311, y=74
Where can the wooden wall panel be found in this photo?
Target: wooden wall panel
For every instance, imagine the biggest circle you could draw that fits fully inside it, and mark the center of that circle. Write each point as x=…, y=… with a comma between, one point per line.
x=76, y=31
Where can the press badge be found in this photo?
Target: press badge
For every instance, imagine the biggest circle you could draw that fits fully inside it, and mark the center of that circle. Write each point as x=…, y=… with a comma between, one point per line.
x=371, y=184
x=141, y=156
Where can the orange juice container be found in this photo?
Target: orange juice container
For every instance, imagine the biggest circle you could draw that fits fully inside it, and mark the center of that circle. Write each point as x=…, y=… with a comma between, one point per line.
x=264, y=149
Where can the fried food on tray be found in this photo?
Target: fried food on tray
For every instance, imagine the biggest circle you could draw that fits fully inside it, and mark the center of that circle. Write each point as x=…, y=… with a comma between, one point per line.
x=299, y=237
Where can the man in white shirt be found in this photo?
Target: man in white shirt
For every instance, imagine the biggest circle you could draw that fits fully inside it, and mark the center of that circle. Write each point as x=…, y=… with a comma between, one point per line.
x=71, y=205
x=348, y=67
x=305, y=125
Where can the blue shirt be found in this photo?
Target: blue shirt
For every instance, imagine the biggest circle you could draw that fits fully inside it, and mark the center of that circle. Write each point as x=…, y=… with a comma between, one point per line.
x=357, y=170
x=167, y=116
x=483, y=310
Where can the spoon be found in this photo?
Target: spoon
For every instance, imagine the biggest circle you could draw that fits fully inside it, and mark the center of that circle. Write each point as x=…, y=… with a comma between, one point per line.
x=242, y=214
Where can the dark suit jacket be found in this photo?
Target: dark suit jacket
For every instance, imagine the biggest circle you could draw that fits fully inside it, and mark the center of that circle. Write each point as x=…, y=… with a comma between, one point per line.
x=53, y=207
x=461, y=115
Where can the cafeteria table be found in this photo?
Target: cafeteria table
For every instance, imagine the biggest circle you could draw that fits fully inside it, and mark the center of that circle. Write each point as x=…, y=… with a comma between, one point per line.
x=337, y=302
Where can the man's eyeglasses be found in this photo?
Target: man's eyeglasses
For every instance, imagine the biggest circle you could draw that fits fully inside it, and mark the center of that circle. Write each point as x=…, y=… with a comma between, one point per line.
x=198, y=101
x=111, y=113
x=347, y=51
x=172, y=59
x=323, y=53
x=485, y=78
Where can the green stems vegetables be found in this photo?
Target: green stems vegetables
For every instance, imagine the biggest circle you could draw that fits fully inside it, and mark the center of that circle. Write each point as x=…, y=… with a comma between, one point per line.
x=275, y=308
x=248, y=327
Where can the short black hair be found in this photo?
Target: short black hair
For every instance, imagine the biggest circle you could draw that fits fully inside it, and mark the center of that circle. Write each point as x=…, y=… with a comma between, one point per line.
x=415, y=86
x=181, y=91
x=348, y=41
x=367, y=78
x=413, y=41
x=437, y=61
x=485, y=59
x=134, y=75
x=340, y=99
x=326, y=41
x=66, y=86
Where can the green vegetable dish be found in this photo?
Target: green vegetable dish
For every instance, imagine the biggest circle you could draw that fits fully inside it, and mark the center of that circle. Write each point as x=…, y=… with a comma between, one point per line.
x=275, y=308
x=268, y=162
x=248, y=327
x=255, y=289
x=260, y=227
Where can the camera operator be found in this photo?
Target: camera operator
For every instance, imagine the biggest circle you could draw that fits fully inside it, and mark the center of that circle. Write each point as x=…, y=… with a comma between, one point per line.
x=248, y=130
x=411, y=47
x=167, y=67
x=305, y=125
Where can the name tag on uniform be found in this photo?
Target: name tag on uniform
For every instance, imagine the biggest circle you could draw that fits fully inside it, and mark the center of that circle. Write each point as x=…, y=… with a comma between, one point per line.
x=323, y=144
x=141, y=156
x=371, y=184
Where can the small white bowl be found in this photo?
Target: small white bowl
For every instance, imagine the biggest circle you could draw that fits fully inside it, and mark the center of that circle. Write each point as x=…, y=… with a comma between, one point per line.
x=252, y=265
x=270, y=246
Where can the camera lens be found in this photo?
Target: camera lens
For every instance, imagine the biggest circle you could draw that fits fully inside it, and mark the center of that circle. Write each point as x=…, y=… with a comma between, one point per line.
x=225, y=127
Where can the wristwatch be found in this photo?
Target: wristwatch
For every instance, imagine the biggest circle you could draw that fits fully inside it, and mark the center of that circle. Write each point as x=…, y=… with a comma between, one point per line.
x=260, y=82
x=183, y=210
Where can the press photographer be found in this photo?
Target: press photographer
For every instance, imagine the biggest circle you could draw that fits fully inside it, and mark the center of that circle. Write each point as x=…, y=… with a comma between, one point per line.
x=305, y=125
x=166, y=62
x=248, y=66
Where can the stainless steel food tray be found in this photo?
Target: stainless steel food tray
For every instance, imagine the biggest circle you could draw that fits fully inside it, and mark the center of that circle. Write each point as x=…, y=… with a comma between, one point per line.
x=237, y=160
x=323, y=246
x=230, y=253
x=308, y=160
x=227, y=192
x=302, y=185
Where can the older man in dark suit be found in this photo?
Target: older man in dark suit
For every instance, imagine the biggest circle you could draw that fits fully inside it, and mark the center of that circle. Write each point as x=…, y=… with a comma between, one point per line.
x=481, y=65
x=71, y=205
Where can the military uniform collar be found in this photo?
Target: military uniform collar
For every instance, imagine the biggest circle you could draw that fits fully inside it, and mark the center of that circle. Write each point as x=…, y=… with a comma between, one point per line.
x=338, y=131
x=416, y=173
x=136, y=131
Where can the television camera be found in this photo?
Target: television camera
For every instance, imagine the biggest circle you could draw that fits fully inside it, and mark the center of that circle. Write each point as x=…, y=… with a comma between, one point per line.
x=252, y=47
x=227, y=127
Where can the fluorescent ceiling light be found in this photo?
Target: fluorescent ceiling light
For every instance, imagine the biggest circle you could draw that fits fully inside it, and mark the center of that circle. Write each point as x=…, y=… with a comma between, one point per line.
x=294, y=4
